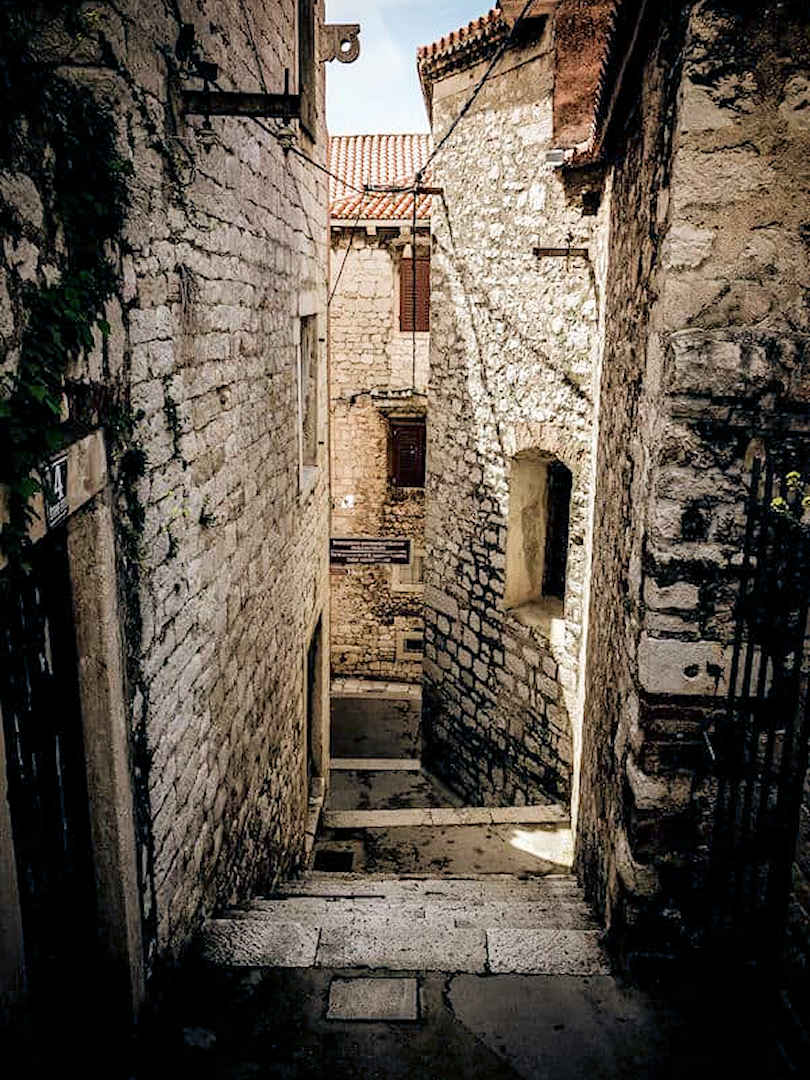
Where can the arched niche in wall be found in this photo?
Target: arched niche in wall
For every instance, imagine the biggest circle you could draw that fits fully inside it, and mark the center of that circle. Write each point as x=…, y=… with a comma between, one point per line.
x=537, y=531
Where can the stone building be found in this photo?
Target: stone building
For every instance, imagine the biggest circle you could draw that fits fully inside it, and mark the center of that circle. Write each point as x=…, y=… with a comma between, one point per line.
x=163, y=306
x=619, y=333
x=378, y=349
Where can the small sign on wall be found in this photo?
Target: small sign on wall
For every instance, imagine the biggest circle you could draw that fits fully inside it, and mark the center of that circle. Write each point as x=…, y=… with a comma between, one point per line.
x=56, y=490
x=363, y=551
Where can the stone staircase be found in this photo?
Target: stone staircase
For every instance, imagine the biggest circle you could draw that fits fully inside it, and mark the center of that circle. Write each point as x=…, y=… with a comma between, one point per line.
x=492, y=923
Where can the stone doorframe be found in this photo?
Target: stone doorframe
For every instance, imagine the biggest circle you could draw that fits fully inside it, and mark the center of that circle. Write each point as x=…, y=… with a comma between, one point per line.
x=91, y=556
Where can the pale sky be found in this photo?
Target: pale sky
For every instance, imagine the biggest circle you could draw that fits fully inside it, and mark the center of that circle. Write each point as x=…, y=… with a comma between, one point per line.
x=380, y=91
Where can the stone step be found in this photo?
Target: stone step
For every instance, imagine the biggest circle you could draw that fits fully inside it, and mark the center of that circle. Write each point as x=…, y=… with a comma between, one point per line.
x=489, y=923
x=473, y=888
x=551, y=814
x=366, y=912
x=397, y=945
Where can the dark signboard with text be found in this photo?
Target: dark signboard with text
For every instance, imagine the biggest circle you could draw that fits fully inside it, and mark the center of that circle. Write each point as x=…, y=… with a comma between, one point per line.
x=365, y=551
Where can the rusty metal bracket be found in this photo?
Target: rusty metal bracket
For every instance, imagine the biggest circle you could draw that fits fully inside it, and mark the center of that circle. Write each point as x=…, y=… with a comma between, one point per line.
x=223, y=103
x=340, y=41
x=560, y=252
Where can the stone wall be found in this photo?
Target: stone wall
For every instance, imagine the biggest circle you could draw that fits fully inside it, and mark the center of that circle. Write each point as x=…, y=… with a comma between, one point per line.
x=705, y=347
x=513, y=353
x=372, y=380
x=222, y=553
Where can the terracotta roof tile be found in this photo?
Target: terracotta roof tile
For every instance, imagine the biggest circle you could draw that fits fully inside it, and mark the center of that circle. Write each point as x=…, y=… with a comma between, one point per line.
x=390, y=160
x=476, y=30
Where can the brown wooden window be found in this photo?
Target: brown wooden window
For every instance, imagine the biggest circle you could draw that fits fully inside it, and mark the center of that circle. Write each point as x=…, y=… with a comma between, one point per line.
x=407, y=453
x=421, y=307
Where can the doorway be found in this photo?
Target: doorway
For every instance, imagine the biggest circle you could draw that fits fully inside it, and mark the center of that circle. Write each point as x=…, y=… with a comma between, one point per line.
x=47, y=784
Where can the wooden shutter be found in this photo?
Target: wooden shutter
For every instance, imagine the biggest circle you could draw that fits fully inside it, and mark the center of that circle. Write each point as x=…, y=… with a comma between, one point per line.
x=307, y=67
x=421, y=280
x=408, y=454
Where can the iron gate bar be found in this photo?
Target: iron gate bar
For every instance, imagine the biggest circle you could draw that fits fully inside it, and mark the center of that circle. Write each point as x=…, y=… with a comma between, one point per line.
x=761, y=753
x=749, y=750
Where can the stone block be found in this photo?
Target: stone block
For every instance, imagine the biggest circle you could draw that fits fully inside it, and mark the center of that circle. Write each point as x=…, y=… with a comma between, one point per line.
x=546, y=952
x=681, y=595
x=436, y=948
x=667, y=666
x=373, y=999
x=244, y=943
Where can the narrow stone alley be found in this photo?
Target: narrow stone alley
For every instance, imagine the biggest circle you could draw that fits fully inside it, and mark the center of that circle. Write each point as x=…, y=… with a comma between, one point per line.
x=404, y=539
x=429, y=940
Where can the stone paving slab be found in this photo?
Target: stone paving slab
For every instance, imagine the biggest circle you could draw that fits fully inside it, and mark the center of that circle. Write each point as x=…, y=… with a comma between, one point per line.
x=404, y=950
x=445, y=815
x=464, y=888
x=547, y=952
x=428, y=911
x=373, y=999
x=375, y=764
x=371, y=790
x=256, y=943
x=385, y=691
x=366, y=726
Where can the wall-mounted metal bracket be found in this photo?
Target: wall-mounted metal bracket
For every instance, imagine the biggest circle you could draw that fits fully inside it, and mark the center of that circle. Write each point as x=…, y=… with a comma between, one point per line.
x=340, y=41
x=224, y=103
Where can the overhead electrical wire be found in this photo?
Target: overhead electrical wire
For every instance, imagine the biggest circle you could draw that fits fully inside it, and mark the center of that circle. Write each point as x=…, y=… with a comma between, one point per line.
x=477, y=89
x=346, y=254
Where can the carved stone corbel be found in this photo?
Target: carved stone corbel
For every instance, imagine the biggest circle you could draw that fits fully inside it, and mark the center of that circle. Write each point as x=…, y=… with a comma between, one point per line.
x=340, y=41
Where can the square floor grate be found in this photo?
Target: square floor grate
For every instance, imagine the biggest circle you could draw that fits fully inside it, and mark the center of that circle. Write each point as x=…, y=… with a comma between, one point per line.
x=338, y=862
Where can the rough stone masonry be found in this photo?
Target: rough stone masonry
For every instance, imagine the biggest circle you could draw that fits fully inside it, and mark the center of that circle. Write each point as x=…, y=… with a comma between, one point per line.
x=656, y=360
x=378, y=374
x=514, y=346
x=222, y=253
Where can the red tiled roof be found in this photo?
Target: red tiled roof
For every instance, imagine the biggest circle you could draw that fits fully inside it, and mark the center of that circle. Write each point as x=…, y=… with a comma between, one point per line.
x=477, y=30
x=585, y=39
x=464, y=47
x=389, y=160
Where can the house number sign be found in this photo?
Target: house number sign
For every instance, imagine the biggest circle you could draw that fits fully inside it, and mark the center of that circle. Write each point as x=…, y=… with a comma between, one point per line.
x=56, y=490
x=362, y=551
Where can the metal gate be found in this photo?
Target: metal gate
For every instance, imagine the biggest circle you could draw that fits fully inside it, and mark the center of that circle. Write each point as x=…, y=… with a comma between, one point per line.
x=39, y=700
x=760, y=747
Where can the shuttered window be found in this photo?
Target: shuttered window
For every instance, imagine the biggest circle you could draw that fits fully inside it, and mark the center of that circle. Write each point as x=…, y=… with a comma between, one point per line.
x=407, y=308
x=407, y=458
x=307, y=69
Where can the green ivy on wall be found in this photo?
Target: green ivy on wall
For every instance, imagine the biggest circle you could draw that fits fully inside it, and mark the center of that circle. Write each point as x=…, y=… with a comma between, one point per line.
x=58, y=133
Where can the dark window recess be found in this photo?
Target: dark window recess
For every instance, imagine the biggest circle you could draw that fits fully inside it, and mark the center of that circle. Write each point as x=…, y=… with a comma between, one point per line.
x=309, y=389
x=307, y=67
x=559, y=508
x=413, y=643
x=407, y=454
x=414, y=286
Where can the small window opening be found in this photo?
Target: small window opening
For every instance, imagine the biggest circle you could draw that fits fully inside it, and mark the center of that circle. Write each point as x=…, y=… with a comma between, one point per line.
x=409, y=578
x=558, y=510
x=308, y=389
x=414, y=294
x=407, y=453
x=537, y=530
x=410, y=644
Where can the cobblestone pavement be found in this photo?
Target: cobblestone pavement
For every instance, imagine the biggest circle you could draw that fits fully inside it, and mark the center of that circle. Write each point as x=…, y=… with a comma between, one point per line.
x=434, y=951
